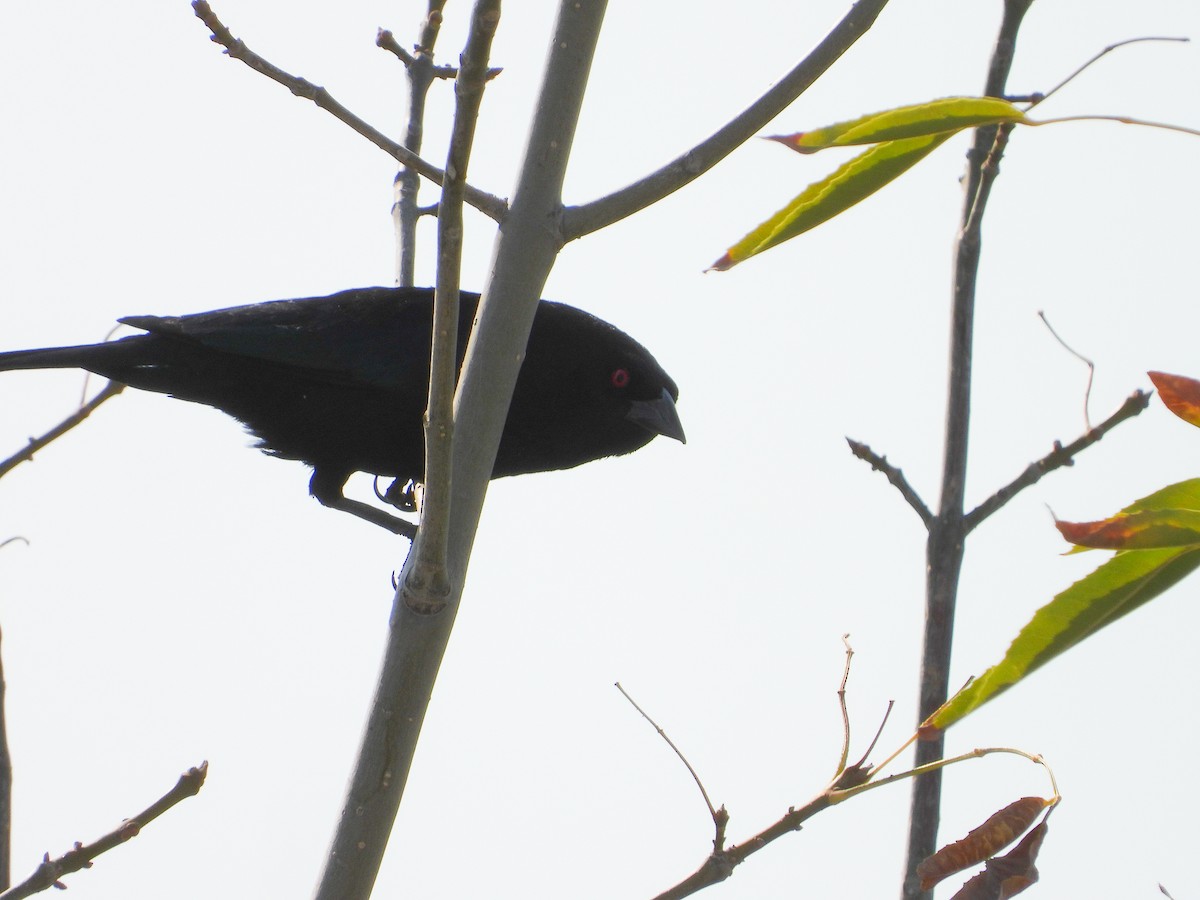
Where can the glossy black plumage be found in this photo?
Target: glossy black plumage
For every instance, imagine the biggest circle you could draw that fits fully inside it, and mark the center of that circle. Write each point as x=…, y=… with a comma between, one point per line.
x=341, y=382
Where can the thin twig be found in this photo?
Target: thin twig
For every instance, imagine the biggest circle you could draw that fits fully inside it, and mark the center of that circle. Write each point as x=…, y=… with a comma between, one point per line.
x=841, y=694
x=1057, y=458
x=1109, y=49
x=938, y=764
x=670, y=743
x=894, y=475
x=588, y=217
x=887, y=714
x=860, y=772
x=421, y=73
x=848, y=776
x=419, y=70
x=385, y=40
x=720, y=864
x=1087, y=391
x=486, y=203
x=35, y=444
x=427, y=584
x=49, y=873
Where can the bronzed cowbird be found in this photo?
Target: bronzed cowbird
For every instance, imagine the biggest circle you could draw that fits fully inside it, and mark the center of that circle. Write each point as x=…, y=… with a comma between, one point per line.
x=341, y=383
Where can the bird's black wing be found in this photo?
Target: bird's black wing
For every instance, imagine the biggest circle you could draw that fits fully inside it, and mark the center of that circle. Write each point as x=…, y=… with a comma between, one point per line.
x=369, y=337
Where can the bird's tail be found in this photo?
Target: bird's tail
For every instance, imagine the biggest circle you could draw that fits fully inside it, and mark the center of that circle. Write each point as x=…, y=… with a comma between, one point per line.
x=85, y=356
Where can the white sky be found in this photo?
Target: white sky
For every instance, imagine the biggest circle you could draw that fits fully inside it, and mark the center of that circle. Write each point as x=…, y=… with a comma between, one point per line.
x=184, y=599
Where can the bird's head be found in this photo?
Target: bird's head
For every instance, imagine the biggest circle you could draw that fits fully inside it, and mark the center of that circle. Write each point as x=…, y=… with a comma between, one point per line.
x=586, y=391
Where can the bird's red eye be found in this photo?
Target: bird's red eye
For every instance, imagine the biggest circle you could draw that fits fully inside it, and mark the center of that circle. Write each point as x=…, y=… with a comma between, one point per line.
x=620, y=378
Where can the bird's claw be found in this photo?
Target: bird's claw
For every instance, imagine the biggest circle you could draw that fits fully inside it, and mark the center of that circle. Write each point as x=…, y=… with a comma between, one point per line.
x=402, y=496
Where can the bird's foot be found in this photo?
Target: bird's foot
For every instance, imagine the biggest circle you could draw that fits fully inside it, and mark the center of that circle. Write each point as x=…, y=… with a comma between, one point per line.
x=402, y=496
x=327, y=488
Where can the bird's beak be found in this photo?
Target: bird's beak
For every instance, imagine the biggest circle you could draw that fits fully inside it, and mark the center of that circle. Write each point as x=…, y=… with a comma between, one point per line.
x=659, y=416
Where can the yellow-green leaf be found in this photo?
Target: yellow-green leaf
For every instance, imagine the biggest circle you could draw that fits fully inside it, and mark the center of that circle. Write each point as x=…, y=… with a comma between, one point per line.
x=948, y=115
x=1118, y=587
x=821, y=201
x=1180, y=495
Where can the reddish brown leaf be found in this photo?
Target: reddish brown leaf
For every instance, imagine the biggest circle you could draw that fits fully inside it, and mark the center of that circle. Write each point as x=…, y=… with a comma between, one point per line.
x=982, y=843
x=929, y=733
x=793, y=141
x=1016, y=868
x=1143, y=530
x=1010, y=874
x=1180, y=394
x=724, y=264
x=1104, y=534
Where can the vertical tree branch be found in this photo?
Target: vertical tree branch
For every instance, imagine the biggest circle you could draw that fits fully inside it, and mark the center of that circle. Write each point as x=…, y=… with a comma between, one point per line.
x=524, y=254
x=405, y=211
x=947, y=531
x=427, y=582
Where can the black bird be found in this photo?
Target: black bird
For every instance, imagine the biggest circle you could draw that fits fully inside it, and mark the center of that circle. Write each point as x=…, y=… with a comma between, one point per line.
x=341, y=383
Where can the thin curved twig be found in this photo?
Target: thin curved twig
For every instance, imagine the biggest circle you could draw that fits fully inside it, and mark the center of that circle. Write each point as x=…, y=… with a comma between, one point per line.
x=712, y=810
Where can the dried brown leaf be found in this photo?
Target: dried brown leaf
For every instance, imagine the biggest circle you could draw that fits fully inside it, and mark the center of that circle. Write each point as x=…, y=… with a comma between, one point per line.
x=982, y=843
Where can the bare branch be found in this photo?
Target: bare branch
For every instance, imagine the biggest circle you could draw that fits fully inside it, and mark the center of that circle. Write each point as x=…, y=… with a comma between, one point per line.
x=427, y=583
x=718, y=817
x=1060, y=456
x=947, y=530
x=35, y=444
x=589, y=217
x=524, y=254
x=859, y=772
x=49, y=873
x=385, y=40
x=419, y=70
x=841, y=695
x=1091, y=367
x=486, y=203
x=1109, y=49
x=894, y=475
x=720, y=864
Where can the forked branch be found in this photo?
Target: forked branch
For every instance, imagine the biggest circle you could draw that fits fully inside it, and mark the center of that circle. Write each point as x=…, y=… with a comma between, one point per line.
x=486, y=203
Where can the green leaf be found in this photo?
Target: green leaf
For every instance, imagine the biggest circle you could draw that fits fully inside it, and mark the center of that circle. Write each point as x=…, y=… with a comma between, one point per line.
x=1118, y=587
x=948, y=115
x=821, y=201
x=1181, y=495
x=1167, y=518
